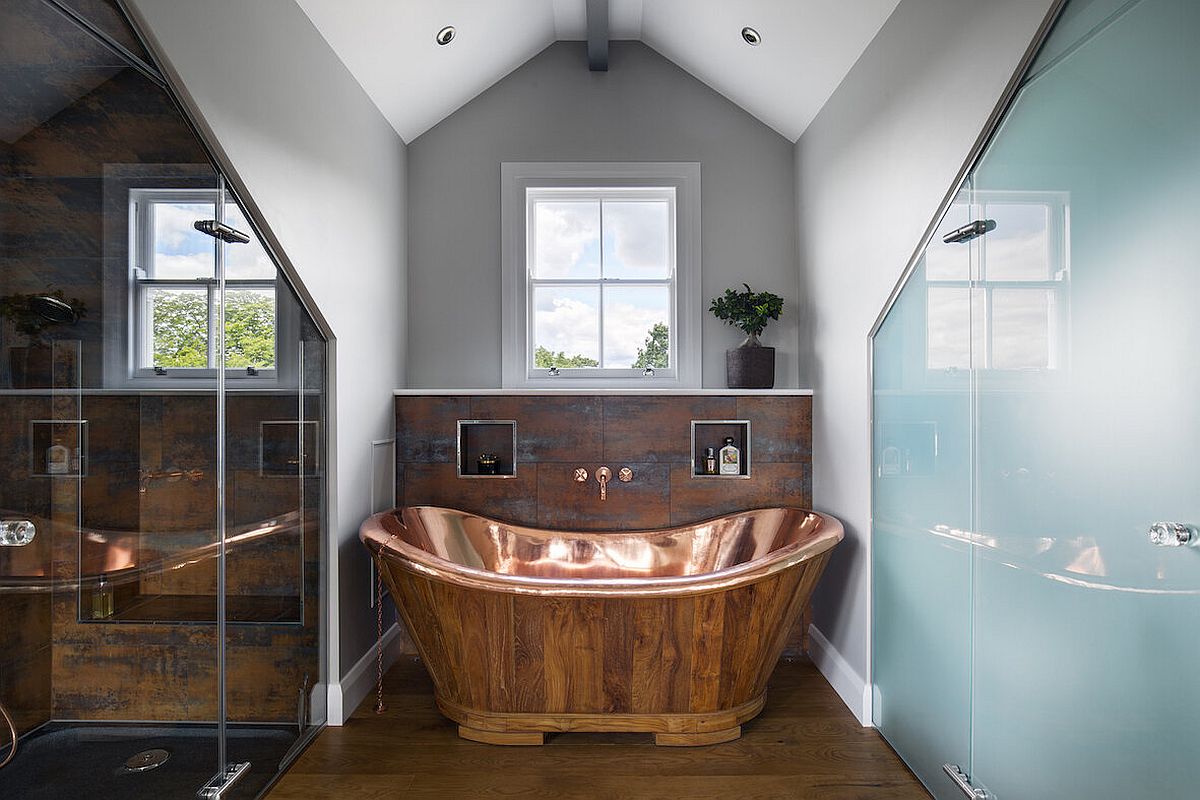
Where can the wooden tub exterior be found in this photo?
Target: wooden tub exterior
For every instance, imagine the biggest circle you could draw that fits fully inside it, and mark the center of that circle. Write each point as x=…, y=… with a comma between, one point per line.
x=672, y=632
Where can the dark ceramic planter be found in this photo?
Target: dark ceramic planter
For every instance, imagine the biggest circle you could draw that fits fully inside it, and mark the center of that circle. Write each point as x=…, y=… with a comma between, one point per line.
x=750, y=367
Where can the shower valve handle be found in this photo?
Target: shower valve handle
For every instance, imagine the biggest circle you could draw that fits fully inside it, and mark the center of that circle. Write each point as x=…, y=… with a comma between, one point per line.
x=1172, y=534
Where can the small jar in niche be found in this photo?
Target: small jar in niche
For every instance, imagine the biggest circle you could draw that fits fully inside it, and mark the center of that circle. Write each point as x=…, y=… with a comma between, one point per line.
x=489, y=464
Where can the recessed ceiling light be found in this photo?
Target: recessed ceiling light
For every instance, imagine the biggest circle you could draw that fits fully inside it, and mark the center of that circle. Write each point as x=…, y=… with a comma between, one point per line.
x=751, y=36
x=446, y=35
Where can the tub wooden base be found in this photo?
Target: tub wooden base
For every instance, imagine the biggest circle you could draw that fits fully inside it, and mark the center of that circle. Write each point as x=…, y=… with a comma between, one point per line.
x=670, y=730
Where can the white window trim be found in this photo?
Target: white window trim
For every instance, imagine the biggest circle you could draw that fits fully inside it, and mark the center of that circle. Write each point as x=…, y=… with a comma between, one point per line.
x=124, y=362
x=515, y=179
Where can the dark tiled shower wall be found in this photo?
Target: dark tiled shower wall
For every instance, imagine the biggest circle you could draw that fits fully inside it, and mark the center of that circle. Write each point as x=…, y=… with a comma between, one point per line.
x=53, y=665
x=647, y=433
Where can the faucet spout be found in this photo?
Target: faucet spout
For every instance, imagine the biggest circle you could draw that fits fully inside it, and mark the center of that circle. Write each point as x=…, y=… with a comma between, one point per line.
x=604, y=475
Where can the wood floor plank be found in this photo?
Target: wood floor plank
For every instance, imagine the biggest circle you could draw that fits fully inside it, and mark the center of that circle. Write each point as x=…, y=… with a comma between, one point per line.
x=805, y=744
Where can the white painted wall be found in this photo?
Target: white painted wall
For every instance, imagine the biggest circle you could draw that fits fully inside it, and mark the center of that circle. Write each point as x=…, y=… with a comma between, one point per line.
x=328, y=174
x=553, y=109
x=870, y=172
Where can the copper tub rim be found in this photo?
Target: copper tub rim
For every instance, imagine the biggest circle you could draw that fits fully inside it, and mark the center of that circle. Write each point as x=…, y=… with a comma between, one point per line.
x=421, y=562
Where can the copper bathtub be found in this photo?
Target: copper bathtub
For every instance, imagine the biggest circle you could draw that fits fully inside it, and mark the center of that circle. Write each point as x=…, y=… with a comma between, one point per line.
x=672, y=631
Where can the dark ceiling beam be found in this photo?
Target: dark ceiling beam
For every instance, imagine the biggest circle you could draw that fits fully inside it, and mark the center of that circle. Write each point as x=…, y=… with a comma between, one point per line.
x=597, y=35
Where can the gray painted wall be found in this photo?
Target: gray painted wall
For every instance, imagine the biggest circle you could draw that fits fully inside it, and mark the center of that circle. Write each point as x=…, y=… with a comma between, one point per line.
x=553, y=109
x=328, y=174
x=883, y=151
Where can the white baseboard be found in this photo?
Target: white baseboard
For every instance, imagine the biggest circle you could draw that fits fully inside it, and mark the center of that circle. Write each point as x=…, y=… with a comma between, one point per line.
x=359, y=682
x=850, y=686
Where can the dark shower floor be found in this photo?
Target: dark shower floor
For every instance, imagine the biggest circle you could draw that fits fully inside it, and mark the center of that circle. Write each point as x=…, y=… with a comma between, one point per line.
x=87, y=760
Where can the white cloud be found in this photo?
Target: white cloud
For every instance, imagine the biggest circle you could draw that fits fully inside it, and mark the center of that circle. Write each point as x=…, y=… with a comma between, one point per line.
x=173, y=222
x=640, y=233
x=567, y=325
x=564, y=233
x=183, y=265
x=625, y=330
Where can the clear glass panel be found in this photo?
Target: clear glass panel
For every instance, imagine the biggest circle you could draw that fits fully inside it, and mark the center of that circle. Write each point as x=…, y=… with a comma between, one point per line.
x=245, y=261
x=250, y=328
x=637, y=239
x=177, y=322
x=566, y=326
x=274, y=479
x=110, y=609
x=566, y=239
x=921, y=579
x=178, y=250
x=637, y=326
x=1079, y=620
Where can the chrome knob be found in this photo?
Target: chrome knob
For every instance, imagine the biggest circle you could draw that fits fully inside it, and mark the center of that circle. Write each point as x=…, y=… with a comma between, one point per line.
x=625, y=475
x=16, y=532
x=1171, y=534
x=580, y=475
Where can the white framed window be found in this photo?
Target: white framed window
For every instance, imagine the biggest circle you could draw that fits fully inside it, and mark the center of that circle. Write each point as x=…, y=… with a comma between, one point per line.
x=601, y=274
x=1000, y=303
x=174, y=293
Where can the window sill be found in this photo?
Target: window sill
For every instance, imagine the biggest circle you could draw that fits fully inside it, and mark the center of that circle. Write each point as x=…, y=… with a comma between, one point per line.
x=585, y=390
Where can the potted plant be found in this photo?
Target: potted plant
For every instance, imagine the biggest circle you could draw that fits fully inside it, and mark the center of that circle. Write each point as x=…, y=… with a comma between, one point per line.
x=30, y=315
x=749, y=365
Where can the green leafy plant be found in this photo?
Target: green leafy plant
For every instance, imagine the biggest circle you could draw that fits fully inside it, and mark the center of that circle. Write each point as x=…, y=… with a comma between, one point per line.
x=544, y=359
x=749, y=310
x=18, y=309
x=656, y=350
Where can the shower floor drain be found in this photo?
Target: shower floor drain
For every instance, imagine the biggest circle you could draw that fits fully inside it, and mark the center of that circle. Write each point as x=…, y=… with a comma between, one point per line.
x=147, y=760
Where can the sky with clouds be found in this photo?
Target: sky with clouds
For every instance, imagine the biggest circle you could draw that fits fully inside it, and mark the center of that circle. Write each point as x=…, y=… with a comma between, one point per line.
x=580, y=240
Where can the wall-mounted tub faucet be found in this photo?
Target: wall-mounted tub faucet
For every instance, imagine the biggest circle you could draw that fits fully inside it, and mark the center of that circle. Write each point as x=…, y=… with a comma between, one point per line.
x=604, y=475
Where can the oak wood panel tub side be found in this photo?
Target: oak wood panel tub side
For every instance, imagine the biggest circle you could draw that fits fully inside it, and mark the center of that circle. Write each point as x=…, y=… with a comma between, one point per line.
x=671, y=631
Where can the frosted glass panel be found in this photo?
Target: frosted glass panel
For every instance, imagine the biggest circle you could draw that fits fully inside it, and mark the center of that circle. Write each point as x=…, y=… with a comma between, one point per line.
x=1034, y=415
x=922, y=507
x=1078, y=619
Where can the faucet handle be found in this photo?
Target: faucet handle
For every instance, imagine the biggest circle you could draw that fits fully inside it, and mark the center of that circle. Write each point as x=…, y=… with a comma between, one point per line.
x=580, y=475
x=625, y=475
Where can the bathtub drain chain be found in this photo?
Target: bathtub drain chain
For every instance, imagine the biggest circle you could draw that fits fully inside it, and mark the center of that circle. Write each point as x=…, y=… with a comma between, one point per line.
x=379, y=706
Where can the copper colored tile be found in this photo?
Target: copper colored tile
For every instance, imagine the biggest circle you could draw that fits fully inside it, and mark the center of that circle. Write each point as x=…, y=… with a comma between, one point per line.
x=657, y=429
x=769, y=484
x=565, y=504
x=427, y=427
x=780, y=427
x=548, y=428
x=511, y=499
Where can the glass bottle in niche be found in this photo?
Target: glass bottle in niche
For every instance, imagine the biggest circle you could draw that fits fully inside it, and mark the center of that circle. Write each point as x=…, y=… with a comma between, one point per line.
x=731, y=458
x=102, y=599
x=57, y=458
x=710, y=461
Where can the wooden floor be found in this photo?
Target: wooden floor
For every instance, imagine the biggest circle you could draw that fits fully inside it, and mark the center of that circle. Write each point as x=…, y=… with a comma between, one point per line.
x=806, y=744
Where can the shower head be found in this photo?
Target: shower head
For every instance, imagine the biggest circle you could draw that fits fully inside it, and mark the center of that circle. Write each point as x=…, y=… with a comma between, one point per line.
x=53, y=309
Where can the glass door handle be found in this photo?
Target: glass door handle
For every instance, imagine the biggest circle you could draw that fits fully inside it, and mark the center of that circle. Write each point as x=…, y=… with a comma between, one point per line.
x=1172, y=534
x=16, y=532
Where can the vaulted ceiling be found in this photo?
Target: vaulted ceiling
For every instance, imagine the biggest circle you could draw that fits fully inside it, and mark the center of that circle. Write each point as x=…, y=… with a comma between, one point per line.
x=807, y=47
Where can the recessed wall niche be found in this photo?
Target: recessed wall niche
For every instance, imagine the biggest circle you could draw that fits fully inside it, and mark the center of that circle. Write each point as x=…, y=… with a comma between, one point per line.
x=712, y=433
x=487, y=448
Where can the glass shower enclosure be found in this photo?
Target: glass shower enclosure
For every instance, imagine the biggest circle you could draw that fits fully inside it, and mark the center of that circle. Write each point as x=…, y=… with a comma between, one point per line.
x=162, y=426
x=1036, y=555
